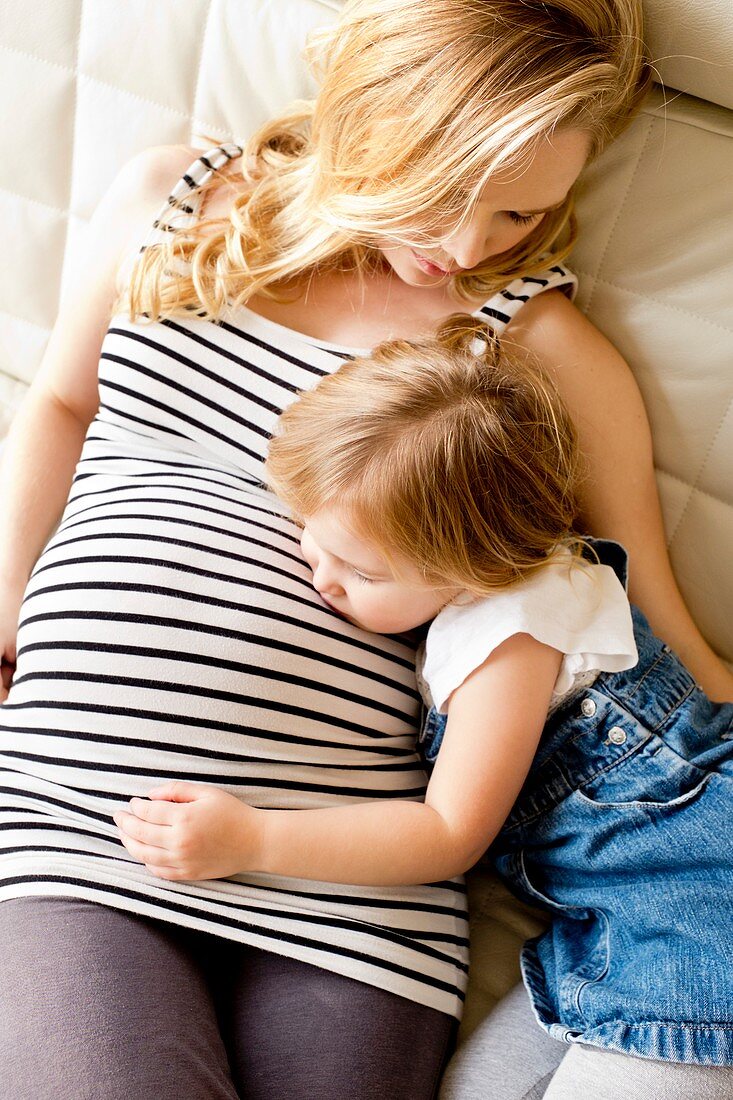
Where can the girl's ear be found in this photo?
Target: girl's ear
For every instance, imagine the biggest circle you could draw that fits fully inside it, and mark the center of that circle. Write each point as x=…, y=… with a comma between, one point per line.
x=462, y=598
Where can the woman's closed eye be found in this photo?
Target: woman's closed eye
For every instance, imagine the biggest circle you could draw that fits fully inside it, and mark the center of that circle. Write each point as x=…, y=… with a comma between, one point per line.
x=522, y=219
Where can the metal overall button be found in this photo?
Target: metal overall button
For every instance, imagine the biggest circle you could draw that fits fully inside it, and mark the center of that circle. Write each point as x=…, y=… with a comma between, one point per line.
x=616, y=736
x=588, y=708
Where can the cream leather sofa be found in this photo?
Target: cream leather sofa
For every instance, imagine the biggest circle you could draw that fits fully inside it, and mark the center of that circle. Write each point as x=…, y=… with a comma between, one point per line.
x=84, y=86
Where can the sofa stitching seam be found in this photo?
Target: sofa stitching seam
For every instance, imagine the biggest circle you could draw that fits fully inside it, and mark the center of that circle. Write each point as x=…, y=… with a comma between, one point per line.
x=79, y=74
x=43, y=60
x=619, y=211
x=72, y=146
x=199, y=67
x=701, y=470
x=36, y=202
x=652, y=298
x=136, y=95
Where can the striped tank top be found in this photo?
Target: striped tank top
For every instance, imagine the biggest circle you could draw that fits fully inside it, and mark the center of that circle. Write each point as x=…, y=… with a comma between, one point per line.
x=170, y=630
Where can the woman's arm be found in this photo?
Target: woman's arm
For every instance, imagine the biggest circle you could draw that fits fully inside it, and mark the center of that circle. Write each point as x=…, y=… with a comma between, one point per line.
x=619, y=498
x=495, y=721
x=47, y=433
x=46, y=436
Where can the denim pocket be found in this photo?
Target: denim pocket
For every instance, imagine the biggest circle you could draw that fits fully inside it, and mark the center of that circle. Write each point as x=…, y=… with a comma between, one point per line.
x=651, y=775
x=578, y=942
x=603, y=797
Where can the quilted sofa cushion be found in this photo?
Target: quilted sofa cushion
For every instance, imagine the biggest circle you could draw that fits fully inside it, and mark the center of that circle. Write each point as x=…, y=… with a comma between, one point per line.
x=87, y=85
x=692, y=44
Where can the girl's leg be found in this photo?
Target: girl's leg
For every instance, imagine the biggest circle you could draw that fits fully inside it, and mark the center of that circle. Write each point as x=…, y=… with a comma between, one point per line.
x=99, y=1004
x=606, y=1075
x=295, y=1031
x=507, y=1057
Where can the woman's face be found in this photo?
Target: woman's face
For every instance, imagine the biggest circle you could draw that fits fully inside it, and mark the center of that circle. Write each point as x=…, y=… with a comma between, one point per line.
x=509, y=209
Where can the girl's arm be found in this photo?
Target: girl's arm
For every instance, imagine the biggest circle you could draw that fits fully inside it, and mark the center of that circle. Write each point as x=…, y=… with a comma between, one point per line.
x=494, y=723
x=619, y=498
x=495, y=719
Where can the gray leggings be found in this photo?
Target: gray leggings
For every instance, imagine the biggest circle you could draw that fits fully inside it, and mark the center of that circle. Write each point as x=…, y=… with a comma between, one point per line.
x=509, y=1057
x=99, y=1004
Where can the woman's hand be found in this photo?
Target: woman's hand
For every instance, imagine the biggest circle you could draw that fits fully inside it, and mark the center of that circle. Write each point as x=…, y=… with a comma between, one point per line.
x=191, y=831
x=11, y=597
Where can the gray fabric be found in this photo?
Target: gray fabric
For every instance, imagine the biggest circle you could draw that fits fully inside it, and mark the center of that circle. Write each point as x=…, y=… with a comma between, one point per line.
x=100, y=1004
x=509, y=1057
x=605, y=1075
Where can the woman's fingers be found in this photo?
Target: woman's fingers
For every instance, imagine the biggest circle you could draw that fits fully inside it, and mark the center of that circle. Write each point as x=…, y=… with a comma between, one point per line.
x=7, y=670
x=166, y=872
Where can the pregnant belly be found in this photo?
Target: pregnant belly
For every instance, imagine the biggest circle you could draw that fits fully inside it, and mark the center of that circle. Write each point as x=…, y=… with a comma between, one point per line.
x=170, y=635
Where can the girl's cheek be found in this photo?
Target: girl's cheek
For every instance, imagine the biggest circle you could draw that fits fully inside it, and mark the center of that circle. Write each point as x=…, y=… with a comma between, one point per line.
x=308, y=551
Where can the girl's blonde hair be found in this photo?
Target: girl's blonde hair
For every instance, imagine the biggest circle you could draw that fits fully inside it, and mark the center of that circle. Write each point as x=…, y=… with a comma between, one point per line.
x=421, y=103
x=446, y=452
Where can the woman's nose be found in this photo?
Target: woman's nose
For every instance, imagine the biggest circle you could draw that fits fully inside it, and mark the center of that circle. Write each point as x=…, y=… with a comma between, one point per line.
x=468, y=248
x=472, y=243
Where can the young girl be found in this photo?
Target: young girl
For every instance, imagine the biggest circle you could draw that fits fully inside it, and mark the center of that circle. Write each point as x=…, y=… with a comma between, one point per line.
x=167, y=629
x=435, y=481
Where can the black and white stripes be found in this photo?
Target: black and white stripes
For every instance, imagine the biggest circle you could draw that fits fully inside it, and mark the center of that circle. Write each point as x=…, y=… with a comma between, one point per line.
x=170, y=630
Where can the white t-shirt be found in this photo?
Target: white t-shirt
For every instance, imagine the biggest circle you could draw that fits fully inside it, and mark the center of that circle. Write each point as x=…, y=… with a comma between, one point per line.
x=577, y=607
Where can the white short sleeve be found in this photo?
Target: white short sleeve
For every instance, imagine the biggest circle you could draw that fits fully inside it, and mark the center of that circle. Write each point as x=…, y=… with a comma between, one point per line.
x=578, y=608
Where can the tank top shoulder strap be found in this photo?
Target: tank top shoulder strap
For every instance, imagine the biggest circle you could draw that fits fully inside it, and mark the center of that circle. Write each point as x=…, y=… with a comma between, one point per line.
x=506, y=304
x=181, y=206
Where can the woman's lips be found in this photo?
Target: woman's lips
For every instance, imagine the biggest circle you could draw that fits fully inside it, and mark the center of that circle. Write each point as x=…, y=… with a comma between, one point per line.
x=433, y=269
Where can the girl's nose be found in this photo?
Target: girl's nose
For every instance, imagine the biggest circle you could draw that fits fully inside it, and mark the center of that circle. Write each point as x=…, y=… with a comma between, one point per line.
x=325, y=578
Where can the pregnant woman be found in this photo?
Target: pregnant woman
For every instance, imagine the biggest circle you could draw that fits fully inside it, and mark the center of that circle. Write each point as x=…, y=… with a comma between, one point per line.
x=167, y=628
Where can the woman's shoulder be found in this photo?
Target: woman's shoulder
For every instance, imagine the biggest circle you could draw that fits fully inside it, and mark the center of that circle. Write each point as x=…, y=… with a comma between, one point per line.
x=144, y=186
x=552, y=327
x=150, y=176
x=153, y=174
x=593, y=378
x=506, y=306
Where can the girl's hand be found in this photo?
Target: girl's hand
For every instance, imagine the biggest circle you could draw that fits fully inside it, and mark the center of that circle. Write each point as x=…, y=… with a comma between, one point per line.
x=191, y=831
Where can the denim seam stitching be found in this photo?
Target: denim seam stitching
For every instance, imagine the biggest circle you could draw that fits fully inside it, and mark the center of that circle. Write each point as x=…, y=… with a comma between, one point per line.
x=658, y=660
x=619, y=700
x=528, y=820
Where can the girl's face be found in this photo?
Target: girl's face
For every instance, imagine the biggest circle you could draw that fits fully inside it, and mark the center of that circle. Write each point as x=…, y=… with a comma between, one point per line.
x=353, y=578
x=509, y=209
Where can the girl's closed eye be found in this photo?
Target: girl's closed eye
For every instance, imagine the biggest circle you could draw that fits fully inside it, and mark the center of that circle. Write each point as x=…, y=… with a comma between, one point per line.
x=361, y=577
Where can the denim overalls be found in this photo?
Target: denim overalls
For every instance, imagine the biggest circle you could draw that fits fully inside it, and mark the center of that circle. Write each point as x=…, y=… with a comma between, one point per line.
x=622, y=830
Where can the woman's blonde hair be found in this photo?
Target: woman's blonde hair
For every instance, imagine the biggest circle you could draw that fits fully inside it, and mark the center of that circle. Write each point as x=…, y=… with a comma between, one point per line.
x=446, y=452
x=421, y=102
